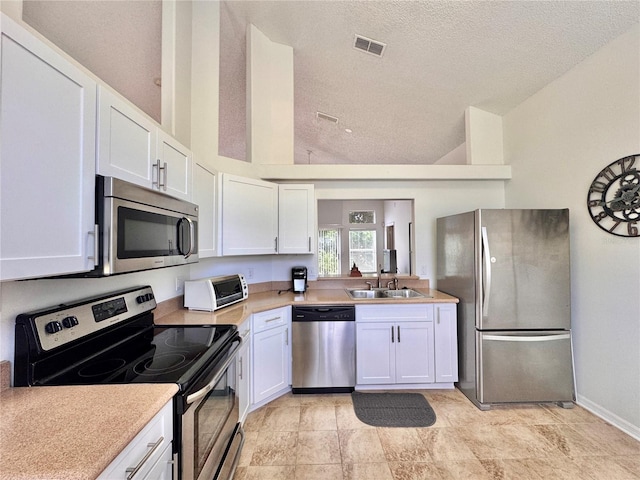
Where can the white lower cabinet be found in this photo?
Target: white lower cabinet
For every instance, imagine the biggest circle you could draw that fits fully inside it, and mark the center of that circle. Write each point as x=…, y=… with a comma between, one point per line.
x=243, y=369
x=149, y=454
x=406, y=344
x=394, y=344
x=271, y=352
x=446, y=346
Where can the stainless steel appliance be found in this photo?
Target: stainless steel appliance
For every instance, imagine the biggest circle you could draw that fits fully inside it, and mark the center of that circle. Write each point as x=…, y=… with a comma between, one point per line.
x=141, y=229
x=210, y=294
x=323, y=347
x=112, y=339
x=510, y=270
x=299, y=278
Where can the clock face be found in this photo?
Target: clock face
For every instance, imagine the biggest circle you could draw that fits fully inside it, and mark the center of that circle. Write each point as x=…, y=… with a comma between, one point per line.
x=614, y=197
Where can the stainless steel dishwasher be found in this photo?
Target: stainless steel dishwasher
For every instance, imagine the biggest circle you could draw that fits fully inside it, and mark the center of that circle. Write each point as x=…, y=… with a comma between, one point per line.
x=324, y=349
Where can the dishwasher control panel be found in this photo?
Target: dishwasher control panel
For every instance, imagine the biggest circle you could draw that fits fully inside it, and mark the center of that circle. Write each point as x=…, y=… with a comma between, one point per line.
x=323, y=313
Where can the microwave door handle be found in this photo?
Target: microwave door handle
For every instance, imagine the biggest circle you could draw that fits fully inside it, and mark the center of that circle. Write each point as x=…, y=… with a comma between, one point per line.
x=192, y=232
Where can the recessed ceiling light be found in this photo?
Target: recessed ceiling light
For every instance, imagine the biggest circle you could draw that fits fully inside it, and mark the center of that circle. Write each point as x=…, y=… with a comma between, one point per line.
x=348, y=130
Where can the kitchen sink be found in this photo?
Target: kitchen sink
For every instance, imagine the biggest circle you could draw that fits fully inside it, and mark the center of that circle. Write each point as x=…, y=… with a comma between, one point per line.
x=383, y=293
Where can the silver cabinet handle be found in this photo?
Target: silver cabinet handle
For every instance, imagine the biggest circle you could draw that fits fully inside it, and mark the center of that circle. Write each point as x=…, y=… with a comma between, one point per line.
x=487, y=271
x=241, y=367
x=286, y=336
x=398, y=333
x=309, y=244
x=272, y=319
x=156, y=167
x=392, y=338
x=132, y=471
x=276, y=247
x=166, y=177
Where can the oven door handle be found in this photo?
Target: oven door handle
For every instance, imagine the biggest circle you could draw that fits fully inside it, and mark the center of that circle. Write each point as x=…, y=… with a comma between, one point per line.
x=194, y=397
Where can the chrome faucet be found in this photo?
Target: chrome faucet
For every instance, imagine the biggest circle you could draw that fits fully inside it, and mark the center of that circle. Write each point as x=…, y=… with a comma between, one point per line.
x=370, y=285
x=393, y=283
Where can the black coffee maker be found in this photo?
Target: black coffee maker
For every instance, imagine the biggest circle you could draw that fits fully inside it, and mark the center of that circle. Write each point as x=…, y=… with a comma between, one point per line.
x=299, y=277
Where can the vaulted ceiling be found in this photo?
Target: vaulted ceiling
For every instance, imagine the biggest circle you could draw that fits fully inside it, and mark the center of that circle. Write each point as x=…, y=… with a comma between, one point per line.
x=407, y=106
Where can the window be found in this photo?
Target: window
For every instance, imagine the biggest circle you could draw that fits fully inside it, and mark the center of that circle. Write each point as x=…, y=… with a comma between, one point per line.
x=328, y=251
x=362, y=216
x=362, y=250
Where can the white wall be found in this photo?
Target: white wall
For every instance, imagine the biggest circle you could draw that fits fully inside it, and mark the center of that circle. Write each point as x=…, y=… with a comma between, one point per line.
x=557, y=141
x=433, y=199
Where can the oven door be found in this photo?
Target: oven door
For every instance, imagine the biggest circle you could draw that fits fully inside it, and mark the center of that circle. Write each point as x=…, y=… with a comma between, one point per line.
x=211, y=436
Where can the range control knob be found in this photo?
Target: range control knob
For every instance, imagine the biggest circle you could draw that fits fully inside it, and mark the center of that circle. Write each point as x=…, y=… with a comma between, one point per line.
x=53, y=327
x=69, y=322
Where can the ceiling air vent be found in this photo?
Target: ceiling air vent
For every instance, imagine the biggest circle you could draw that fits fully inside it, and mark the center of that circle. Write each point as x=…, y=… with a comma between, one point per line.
x=324, y=116
x=370, y=46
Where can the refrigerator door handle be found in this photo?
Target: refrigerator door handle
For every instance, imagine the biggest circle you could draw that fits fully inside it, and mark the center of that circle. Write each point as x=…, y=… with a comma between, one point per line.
x=487, y=273
x=537, y=338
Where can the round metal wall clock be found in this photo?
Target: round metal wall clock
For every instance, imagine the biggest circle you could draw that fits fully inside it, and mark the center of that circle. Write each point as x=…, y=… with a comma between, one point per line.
x=614, y=197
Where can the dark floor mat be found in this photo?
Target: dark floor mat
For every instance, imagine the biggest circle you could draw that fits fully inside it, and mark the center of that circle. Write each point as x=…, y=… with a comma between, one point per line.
x=393, y=409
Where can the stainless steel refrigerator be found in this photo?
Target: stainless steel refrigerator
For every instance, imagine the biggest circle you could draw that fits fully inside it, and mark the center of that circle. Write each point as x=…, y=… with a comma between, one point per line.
x=510, y=270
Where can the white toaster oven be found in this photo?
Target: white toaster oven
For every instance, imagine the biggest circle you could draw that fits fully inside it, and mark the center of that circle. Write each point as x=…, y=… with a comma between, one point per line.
x=212, y=293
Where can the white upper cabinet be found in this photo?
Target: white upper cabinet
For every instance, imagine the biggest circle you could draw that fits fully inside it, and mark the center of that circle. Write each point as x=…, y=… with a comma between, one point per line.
x=296, y=218
x=205, y=190
x=126, y=140
x=47, y=169
x=258, y=217
x=249, y=214
x=175, y=165
x=132, y=147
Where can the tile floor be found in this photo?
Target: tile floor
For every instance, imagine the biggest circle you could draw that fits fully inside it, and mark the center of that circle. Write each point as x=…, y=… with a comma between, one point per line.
x=309, y=437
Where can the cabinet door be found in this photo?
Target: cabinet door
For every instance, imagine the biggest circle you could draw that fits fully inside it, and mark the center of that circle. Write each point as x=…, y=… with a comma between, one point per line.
x=175, y=167
x=243, y=369
x=204, y=195
x=296, y=218
x=126, y=141
x=446, y=342
x=271, y=359
x=249, y=216
x=47, y=176
x=375, y=353
x=414, y=352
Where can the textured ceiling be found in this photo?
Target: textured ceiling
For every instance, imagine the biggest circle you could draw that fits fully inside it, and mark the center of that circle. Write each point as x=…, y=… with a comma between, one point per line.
x=441, y=56
x=119, y=41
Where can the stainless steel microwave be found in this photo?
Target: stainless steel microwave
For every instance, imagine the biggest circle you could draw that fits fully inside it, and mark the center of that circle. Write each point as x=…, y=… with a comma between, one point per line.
x=141, y=229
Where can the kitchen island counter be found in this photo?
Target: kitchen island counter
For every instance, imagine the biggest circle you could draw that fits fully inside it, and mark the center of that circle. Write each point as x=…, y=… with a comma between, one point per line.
x=72, y=432
x=262, y=301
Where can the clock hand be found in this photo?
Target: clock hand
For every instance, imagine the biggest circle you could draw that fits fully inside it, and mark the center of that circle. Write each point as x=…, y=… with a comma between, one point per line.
x=626, y=195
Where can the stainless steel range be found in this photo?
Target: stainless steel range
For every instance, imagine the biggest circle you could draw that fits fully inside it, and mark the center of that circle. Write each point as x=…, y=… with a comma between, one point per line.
x=112, y=338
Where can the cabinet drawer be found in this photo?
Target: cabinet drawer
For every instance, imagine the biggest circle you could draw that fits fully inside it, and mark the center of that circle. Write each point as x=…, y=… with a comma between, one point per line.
x=152, y=440
x=270, y=319
x=395, y=313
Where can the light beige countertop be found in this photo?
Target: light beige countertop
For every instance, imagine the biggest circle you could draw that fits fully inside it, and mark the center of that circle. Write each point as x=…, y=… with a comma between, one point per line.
x=72, y=432
x=259, y=302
